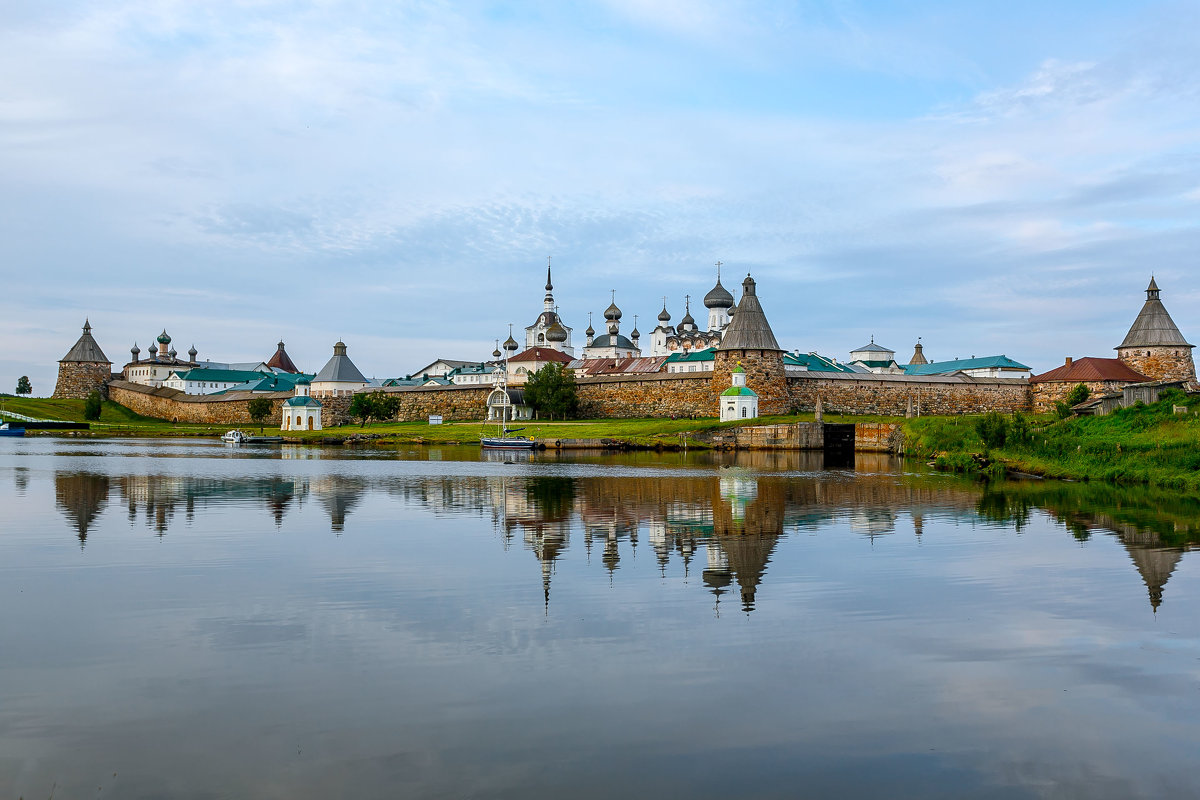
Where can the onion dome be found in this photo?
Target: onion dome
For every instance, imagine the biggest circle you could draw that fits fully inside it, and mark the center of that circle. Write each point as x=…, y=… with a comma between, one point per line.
x=634, y=334
x=137, y=351
x=731, y=311
x=590, y=330
x=556, y=332
x=612, y=312
x=664, y=315
x=496, y=353
x=687, y=318
x=510, y=344
x=163, y=338
x=718, y=297
x=172, y=353
x=304, y=381
x=192, y=353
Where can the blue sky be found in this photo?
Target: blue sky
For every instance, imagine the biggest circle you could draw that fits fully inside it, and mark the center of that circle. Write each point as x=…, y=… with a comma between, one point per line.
x=994, y=178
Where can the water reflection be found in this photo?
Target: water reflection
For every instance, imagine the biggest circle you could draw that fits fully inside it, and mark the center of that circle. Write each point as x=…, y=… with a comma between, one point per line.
x=735, y=515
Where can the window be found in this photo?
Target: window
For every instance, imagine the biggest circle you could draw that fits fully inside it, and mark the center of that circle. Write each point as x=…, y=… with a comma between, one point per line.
x=745, y=411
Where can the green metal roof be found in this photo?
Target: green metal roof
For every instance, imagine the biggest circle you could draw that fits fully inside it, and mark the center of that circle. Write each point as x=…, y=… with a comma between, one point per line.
x=303, y=401
x=814, y=362
x=219, y=375
x=945, y=367
x=706, y=354
x=739, y=391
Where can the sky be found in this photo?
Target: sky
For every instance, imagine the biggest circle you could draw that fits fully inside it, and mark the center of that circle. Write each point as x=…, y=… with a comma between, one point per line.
x=993, y=178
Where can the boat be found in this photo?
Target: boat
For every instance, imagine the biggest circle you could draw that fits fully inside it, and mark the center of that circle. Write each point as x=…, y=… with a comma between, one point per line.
x=6, y=430
x=237, y=437
x=502, y=440
x=506, y=442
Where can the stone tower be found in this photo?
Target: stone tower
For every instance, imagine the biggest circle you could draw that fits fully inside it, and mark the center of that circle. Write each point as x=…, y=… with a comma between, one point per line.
x=83, y=369
x=1154, y=346
x=748, y=340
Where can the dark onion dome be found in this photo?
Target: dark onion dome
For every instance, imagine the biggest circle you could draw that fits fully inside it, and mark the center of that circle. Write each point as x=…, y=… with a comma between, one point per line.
x=549, y=285
x=613, y=340
x=172, y=353
x=718, y=297
x=664, y=315
x=612, y=312
x=556, y=333
x=135, y=350
x=192, y=352
x=163, y=338
x=510, y=344
x=731, y=311
x=687, y=320
x=634, y=333
x=496, y=353
x=749, y=330
x=590, y=330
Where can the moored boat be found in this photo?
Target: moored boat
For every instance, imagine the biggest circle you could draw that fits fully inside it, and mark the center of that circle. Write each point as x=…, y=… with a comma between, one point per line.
x=6, y=430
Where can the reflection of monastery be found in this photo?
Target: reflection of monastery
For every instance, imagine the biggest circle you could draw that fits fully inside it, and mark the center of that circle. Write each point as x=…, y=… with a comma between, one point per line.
x=724, y=528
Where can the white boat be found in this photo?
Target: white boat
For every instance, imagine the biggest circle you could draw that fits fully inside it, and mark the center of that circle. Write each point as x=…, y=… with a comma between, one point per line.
x=234, y=437
x=237, y=437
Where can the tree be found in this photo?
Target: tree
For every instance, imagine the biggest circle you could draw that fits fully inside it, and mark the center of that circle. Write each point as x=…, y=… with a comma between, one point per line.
x=1078, y=394
x=551, y=391
x=91, y=406
x=374, y=405
x=259, y=409
x=24, y=386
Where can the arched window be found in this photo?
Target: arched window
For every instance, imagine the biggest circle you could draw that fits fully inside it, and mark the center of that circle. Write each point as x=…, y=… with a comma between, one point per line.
x=745, y=411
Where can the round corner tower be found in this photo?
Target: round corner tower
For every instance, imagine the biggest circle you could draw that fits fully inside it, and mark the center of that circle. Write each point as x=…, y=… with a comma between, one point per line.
x=1154, y=346
x=83, y=369
x=748, y=340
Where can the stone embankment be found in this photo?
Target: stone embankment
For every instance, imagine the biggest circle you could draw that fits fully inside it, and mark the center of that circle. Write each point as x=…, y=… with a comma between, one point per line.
x=869, y=437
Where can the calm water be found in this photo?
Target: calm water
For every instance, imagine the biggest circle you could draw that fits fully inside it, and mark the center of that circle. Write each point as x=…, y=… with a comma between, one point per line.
x=187, y=620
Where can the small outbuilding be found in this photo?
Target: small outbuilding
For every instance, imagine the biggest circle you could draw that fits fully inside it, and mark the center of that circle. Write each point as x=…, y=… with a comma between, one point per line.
x=739, y=401
x=302, y=412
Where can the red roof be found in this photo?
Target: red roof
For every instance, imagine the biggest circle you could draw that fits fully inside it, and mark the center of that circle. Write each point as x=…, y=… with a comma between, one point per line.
x=623, y=366
x=1084, y=370
x=543, y=354
x=282, y=361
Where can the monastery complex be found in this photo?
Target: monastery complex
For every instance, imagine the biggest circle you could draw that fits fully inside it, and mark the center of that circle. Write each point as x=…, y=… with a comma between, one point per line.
x=732, y=367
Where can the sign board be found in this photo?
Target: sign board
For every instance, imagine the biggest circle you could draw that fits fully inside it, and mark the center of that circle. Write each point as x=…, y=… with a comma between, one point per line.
x=435, y=419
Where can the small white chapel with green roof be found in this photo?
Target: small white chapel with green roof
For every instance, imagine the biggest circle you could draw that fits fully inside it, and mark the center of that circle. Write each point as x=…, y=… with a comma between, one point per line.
x=739, y=401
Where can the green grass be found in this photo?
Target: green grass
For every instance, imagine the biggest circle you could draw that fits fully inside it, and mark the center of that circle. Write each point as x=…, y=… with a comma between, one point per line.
x=115, y=419
x=1144, y=445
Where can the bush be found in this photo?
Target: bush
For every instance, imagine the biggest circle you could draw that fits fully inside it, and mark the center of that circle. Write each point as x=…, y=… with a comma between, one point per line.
x=92, y=406
x=992, y=428
x=1062, y=410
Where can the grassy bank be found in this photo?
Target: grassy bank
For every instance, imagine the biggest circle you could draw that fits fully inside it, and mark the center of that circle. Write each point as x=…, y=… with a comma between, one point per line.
x=1143, y=445
x=116, y=420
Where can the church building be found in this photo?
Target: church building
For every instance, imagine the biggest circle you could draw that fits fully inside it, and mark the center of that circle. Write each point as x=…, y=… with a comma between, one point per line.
x=548, y=329
x=612, y=344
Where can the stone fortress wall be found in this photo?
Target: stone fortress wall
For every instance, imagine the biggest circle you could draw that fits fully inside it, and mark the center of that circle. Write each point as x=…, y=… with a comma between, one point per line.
x=1160, y=363
x=76, y=380
x=619, y=397
x=176, y=406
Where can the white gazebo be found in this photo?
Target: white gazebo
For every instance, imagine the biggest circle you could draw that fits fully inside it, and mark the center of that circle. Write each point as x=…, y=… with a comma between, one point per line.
x=302, y=412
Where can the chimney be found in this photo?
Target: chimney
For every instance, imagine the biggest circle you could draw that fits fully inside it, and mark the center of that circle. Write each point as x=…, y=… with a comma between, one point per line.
x=1069, y=361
